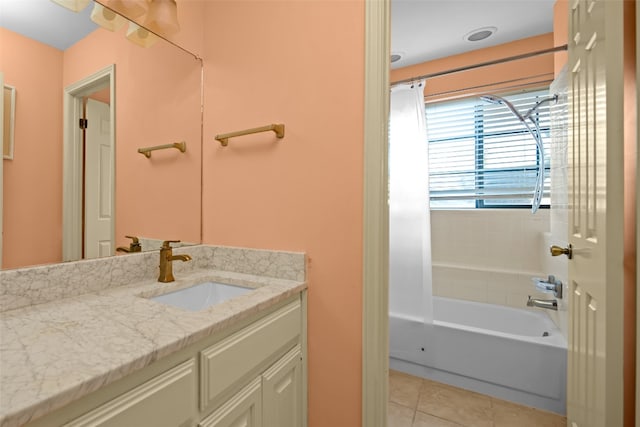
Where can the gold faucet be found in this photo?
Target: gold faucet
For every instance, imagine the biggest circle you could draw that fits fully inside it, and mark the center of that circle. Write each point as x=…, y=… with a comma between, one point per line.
x=166, y=261
x=134, y=246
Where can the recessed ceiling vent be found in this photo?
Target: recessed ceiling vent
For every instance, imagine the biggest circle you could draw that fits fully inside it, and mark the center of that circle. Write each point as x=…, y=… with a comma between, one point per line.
x=480, y=34
x=395, y=57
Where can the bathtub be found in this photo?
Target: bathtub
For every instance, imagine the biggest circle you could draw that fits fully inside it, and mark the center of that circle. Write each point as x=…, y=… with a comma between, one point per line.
x=513, y=354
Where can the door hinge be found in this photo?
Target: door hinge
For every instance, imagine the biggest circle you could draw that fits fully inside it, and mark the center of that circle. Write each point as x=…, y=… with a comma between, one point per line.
x=84, y=123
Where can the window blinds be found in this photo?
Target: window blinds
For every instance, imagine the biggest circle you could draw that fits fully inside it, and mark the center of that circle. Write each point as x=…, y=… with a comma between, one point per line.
x=481, y=155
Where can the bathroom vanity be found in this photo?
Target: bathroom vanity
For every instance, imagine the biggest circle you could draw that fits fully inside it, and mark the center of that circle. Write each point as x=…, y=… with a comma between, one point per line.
x=115, y=357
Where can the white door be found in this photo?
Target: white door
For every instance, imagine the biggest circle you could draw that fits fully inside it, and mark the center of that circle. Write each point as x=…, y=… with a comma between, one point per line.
x=98, y=190
x=594, y=389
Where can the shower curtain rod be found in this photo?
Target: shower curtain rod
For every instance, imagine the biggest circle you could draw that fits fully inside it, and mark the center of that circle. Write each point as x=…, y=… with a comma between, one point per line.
x=483, y=64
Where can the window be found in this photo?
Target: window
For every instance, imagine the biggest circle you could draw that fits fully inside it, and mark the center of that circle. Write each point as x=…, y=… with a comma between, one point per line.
x=482, y=156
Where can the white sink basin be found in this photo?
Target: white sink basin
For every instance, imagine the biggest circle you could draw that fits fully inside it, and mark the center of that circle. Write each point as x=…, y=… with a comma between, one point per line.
x=201, y=296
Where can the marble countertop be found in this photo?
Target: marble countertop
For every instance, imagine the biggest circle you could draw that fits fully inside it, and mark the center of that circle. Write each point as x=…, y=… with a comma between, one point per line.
x=54, y=353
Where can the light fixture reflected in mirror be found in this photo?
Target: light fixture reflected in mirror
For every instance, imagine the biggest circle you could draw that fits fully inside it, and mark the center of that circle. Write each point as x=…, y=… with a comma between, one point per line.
x=107, y=18
x=162, y=17
x=75, y=5
x=129, y=8
x=141, y=36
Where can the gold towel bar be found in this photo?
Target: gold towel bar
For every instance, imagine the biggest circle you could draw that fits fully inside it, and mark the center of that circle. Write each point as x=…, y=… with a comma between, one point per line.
x=277, y=128
x=182, y=146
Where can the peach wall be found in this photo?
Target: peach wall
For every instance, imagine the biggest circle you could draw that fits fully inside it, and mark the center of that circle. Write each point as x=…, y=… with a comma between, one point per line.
x=157, y=102
x=483, y=80
x=560, y=33
x=302, y=64
x=32, y=220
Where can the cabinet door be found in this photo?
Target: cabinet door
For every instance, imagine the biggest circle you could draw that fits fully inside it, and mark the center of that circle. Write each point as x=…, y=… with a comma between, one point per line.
x=243, y=410
x=167, y=400
x=232, y=362
x=282, y=392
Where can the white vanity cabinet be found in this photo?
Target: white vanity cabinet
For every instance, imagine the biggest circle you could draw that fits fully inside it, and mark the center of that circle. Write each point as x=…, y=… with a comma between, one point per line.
x=282, y=392
x=274, y=399
x=242, y=410
x=166, y=399
x=250, y=375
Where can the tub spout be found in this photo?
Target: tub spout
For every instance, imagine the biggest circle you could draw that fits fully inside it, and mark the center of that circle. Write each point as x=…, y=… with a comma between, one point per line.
x=549, y=304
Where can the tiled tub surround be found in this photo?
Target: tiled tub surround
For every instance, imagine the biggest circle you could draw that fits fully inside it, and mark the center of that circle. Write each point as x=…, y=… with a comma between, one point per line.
x=54, y=353
x=489, y=255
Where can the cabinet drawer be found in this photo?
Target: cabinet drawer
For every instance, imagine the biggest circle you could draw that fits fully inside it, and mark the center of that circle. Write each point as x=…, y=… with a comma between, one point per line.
x=239, y=356
x=166, y=400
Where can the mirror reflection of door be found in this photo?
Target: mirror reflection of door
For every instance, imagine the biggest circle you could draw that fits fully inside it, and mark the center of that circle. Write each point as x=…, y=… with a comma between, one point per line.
x=89, y=167
x=98, y=181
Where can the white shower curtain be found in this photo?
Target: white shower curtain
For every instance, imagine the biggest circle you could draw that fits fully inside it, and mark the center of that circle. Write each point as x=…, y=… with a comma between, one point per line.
x=410, y=282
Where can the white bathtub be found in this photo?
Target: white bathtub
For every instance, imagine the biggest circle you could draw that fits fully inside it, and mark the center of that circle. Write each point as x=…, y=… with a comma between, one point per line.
x=491, y=349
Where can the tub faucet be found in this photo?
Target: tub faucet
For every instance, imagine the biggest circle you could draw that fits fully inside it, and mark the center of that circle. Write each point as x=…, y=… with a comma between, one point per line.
x=550, y=304
x=166, y=261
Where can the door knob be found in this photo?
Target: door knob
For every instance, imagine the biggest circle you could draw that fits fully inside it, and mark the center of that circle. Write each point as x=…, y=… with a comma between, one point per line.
x=557, y=251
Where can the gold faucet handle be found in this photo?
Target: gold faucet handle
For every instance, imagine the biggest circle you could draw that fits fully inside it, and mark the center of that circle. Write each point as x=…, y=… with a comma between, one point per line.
x=134, y=238
x=167, y=243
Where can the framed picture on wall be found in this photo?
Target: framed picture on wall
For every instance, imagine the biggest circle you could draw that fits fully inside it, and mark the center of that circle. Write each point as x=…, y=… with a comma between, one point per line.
x=9, y=121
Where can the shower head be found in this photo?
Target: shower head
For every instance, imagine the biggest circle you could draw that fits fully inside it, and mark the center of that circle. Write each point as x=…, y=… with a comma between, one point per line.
x=492, y=99
x=553, y=98
x=535, y=133
x=495, y=99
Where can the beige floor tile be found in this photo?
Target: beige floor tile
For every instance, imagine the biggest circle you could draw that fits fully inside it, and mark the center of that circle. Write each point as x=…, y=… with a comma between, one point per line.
x=426, y=420
x=399, y=416
x=507, y=414
x=404, y=389
x=453, y=404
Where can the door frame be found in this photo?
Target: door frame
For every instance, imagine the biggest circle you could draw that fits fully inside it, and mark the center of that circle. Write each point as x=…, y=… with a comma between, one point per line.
x=1, y=162
x=637, y=390
x=72, y=179
x=375, y=297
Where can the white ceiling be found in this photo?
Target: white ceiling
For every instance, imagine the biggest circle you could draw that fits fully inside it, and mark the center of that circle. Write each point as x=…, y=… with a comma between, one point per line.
x=423, y=30
x=46, y=21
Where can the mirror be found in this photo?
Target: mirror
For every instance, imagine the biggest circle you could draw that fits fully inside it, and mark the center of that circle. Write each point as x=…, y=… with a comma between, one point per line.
x=152, y=98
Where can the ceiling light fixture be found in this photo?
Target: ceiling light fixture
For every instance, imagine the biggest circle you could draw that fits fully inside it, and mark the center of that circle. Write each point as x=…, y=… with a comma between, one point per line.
x=162, y=17
x=480, y=34
x=141, y=36
x=106, y=18
x=130, y=8
x=75, y=5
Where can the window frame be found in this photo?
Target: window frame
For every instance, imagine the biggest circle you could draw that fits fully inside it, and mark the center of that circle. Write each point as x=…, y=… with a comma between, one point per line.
x=479, y=137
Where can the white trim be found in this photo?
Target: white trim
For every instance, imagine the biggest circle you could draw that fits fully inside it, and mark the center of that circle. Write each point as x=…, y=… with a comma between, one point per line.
x=375, y=315
x=72, y=158
x=12, y=120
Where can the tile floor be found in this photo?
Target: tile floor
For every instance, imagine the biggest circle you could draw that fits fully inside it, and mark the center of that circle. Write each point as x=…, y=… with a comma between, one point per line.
x=416, y=402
